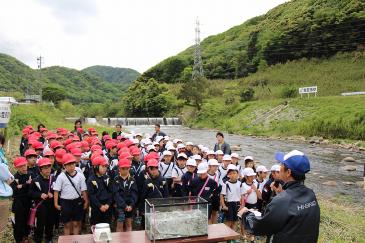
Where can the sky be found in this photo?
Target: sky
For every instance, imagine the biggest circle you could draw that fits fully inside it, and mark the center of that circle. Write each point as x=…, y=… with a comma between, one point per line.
x=134, y=34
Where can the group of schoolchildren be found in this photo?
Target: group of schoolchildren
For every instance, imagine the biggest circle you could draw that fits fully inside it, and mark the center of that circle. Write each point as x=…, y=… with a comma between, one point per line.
x=67, y=178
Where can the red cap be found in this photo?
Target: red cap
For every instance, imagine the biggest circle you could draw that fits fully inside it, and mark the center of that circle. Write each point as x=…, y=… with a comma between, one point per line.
x=154, y=155
x=98, y=151
x=76, y=138
x=31, y=141
x=67, y=142
x=56, y=144
x=37, y=134
x=76, y=152
x=25, y=131
x=85, y=144
x=123, y=150
x=135, y=151
x=20, y=161
x=110, y=145
x=68, y=158
x=64, y=132
x=95, y=147
x=77, y=144
x=125, y=156
x=43, y=129
x=51, y=136
x=106, y=137
x=59, y=154
x=91, y=129
x=48, y=152
x=152, y=163
x=44, y=162
x=80, y=130
x=128, y=143
x=124, y=163
x=30, y=152
x=99, y=160
x=38, y=145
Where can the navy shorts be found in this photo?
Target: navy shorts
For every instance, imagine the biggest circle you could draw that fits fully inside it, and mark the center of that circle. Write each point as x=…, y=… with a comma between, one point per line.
x=215, y=203
x=251, y=206
x=231, y=214
x=98, y=216
x=122, y=215
x=71, y=210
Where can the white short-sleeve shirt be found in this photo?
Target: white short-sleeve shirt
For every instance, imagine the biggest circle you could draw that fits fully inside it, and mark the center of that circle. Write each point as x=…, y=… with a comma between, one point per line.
x=232, y=191
x=64, y=186
x=251, y=198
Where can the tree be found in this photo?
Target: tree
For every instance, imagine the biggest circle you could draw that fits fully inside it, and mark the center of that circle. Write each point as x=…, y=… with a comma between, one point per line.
x=145, y=98
x=53, y=93
x=193, y=89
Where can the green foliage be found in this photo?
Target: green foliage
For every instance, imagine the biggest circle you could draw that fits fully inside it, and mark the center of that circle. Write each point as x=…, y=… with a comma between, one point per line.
x=54, y=94
x=247, y=94
x=289, y=92
x=17, y=78
x=146, y=98
x=113, y=74
x=291, y=31
x=193, y=91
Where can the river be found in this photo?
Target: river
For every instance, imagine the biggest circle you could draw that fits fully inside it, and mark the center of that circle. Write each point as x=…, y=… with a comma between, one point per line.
x=326, y=160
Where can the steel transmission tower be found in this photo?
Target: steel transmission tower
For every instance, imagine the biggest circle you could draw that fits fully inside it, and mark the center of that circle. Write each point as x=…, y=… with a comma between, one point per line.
x=198, y=64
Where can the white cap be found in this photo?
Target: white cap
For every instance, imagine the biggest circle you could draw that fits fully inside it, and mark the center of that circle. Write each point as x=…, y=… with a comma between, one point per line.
x=213, y=162
x=156, y=143
x=248, y=158
x=170, y=148
x=191, y=162
x=150, y=147
x=200, y=146
x=231, y=167
x=180, y=146
x=248, y=172
x=219, y=152
x=210, y=152
x=235, y=155
x=182, y=155
x=135, y=141
x=205, y=149
x=227, y=157
x=166, y=138
x=166, y=153
x=202, y=168
x=176, y=140
x=261, y=168
x=189, y=144
x=169, y=144
x=146, y=141
x=158, y=138
x=196, y=157
x=138, y=134
x=275, y=168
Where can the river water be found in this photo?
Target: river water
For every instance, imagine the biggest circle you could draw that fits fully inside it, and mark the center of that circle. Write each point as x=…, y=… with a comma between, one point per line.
x=326, y=160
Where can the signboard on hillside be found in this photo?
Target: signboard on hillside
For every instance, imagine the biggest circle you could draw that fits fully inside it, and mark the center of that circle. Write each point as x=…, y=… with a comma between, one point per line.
x=4, y=114
x=308, y=90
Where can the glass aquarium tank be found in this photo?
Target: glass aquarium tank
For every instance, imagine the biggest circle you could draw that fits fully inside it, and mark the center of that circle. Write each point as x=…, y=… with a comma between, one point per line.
x=169, y=218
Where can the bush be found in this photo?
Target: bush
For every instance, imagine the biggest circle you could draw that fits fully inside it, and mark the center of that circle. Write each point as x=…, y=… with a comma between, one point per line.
x=289, y=92
x=230, y=100
x=247, y=94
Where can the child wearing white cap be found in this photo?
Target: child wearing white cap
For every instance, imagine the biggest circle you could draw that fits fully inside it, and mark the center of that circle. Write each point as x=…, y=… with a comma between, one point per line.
x=235, y=161
x=187, y=178
x=261, y=179
x=220, y=155
x=222, y=169
x=231, y=196
x=165, y=167
x=214, y=175
x=177, y=173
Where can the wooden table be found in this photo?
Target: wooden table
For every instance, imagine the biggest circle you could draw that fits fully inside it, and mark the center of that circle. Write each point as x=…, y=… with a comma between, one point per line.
x=216, y=233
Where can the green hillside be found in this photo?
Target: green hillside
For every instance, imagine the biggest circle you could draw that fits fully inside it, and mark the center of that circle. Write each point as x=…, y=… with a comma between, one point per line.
x=113, y=74
x=294, y=30
x=79, y=87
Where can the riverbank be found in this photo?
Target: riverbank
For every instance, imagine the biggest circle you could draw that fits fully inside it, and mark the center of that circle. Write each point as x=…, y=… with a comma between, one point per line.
x=332, y=120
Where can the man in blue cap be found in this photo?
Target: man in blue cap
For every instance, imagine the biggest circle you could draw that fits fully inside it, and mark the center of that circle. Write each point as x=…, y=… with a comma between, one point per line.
x=294, y=214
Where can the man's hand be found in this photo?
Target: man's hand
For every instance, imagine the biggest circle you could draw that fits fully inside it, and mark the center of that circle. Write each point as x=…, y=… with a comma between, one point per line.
x=19, y=186
x=102, y=208
x=44, y=196
x=276, y=189
x=58, y=207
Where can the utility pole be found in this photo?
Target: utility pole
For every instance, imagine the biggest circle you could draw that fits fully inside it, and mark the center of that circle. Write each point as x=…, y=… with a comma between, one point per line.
x=198, y=63
x=39, y=63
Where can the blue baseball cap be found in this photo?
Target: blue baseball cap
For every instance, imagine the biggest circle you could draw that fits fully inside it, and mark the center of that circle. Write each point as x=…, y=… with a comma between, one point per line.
x=295, y=160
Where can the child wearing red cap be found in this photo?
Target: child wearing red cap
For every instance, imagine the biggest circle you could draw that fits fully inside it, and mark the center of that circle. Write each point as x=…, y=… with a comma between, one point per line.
x=41, y=191
x=125, y=195
x=99, y=188
x=70, y=195
x=31, y=157
x=21, y=202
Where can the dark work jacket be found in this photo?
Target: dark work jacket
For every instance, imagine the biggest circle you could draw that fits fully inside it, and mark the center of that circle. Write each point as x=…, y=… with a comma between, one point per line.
x=33, y=172
x=158, y=134
x=100, y=190
x=153, y=188
x=136, y=168
x=225, y=148
x=292, y=216
x=125, y=192
x=186, y=180
x=41, y=185
x=21, y=199
x=208, y=192
x=23, y=145
x=116, y=134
